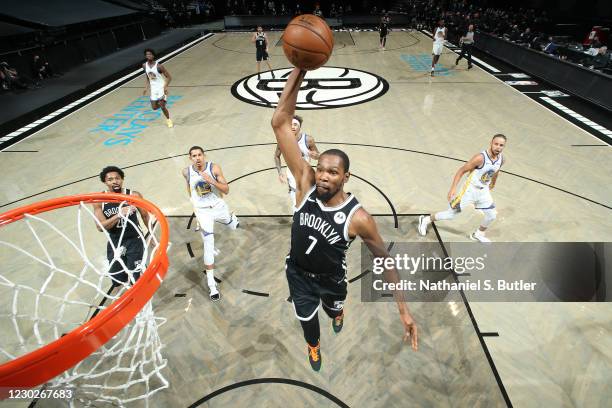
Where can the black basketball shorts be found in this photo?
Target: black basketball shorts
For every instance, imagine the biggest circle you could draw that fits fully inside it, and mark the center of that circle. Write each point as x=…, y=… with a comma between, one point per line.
x=261, y=55
x=308, y=293
x=132, y=250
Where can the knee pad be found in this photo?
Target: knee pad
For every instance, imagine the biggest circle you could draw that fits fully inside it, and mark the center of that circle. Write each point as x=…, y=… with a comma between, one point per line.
x=209, y=247
x=490, y=215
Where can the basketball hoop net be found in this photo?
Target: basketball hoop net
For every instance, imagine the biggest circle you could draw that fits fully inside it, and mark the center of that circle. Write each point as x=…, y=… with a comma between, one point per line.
x=66, y=322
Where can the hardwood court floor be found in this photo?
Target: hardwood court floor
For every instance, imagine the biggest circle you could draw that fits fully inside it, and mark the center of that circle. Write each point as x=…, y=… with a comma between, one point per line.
x=407, y=144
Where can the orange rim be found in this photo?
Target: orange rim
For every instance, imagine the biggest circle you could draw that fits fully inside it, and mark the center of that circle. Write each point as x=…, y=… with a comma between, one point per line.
x=39, y=366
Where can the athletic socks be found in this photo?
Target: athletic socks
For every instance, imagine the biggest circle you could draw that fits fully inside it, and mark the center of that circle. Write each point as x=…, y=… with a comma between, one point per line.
x=210, y=278
x=212, y=285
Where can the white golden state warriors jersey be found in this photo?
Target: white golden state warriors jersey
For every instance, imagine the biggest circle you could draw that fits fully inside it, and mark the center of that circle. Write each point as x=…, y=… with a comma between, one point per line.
x=481, y=177
x=203, y=194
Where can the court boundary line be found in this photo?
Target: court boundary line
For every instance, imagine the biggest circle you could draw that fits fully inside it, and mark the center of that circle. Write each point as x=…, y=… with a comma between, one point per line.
x=275, y=380
x=75, y=106
x=320, y=142
x=478, y=333
x=545, y=107
x=481, y=339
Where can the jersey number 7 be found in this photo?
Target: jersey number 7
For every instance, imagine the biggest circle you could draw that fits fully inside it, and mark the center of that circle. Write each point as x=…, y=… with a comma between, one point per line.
x=314, y=242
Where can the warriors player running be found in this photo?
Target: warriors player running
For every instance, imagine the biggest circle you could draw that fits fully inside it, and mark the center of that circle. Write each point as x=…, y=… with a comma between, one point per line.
x=325, y=222
x=261, y=49
x=483, y=171
x=204, y=183
x=113, y=217
x=156, y=85
x=308, y=149
x=438, y=45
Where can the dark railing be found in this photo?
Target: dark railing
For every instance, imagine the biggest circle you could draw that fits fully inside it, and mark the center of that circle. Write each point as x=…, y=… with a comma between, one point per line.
x=589, y=84
x=73, y=50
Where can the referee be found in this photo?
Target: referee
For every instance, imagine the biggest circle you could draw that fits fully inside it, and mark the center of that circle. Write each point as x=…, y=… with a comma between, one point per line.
x=467, y=41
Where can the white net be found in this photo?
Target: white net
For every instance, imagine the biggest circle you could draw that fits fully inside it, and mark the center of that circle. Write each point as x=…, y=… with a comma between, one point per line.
x=59, y=276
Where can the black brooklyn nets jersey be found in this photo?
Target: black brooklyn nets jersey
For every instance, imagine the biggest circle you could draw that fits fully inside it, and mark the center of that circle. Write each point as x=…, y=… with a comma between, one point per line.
x=110, y=209
x=260, y=42
x=319, y=235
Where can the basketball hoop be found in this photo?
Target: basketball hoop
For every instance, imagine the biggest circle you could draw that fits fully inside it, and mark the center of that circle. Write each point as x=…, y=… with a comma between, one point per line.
x=66, y=350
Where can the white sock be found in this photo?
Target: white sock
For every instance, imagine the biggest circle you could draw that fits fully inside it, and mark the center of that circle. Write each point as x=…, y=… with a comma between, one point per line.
x=210, y=278
x=426, y=220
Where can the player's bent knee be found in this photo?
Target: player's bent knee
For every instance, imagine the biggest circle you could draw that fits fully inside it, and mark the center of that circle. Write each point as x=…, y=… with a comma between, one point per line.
x=490, y=214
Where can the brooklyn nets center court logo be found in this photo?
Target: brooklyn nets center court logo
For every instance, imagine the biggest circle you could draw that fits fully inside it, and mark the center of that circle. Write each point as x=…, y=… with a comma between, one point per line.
x=324, y=88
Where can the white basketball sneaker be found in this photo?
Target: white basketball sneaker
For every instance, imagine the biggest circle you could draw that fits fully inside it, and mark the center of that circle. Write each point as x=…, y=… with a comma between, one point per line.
x=479, y=236
x=422, y=227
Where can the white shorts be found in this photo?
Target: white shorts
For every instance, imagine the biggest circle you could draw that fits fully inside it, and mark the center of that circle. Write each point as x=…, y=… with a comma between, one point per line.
x=437, y=49
x=480, y=198
x=217, y=213
x=157, y=93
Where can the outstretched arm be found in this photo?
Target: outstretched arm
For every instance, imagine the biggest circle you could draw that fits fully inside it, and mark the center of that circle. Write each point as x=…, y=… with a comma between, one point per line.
x=363, y=225
x=281, y=124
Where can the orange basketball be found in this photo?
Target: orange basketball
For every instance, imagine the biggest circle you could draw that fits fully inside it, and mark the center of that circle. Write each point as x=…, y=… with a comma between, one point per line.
x=308, y=42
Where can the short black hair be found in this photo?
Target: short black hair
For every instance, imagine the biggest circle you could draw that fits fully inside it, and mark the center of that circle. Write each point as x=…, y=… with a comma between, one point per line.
x=111, y=169
x=341, y=154
x=299, y=119
x=195, y=148
x=500, y=135
x=150, y=50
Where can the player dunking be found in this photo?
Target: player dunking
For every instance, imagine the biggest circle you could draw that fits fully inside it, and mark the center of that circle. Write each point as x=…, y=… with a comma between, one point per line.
x=205, y=184
x=261, y=50
x=308, y=149
x=483, y=171
x=156, y=85
x=112, y=217
x=438, y=45
x=325, y=222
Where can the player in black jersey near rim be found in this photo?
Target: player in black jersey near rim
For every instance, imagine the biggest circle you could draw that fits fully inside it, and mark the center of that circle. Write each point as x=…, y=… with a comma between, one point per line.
x=111, y=217
x=325, y=221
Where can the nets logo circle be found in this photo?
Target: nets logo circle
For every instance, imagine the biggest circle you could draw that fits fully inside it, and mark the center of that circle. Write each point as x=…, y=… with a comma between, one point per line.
x=324, y=88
